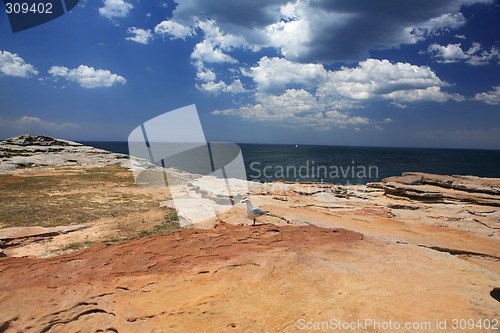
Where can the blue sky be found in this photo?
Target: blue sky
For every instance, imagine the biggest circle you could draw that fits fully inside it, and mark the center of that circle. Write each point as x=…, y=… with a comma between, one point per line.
x=388, y=73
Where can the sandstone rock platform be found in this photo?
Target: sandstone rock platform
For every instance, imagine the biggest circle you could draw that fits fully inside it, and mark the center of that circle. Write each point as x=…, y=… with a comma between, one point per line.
x=236, y=278
x=416, y=248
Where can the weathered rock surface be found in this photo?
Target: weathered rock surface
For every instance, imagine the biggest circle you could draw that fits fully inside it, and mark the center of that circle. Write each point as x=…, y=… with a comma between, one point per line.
x=415, y=248
x=423, y=186
x=27, y=151
x=266, y=278
x=25, y=140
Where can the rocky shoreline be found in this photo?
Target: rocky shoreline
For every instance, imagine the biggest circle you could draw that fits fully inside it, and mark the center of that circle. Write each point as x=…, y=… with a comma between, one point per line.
x=416, y=247
x=438, y=188
x=27, y=151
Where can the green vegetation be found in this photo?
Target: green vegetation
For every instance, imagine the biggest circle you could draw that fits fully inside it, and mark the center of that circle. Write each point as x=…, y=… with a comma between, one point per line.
x=174, y=217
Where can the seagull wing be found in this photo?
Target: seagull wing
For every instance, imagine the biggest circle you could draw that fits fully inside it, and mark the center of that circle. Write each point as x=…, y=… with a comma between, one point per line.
x=258, y=212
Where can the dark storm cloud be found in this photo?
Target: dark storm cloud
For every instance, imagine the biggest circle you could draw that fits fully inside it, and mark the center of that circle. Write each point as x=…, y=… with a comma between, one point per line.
x=375, y=25
x=331, y=30
x=243, y=13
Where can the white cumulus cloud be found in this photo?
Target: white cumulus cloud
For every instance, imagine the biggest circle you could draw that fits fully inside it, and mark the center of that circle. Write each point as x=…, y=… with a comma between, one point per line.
x=13, y=65
x=173, y=29
x=453, y=53
x=210, y=50
x=491, y=97
x=294, y=108
x=437, y=25
x=115, y=9
x=278, y=73
x=213, y=50
x=301, y=82
x=308, y=35
x=447, y=54
x=215, y=88
x=203, y=73
x=375, y=79
x=310, y=95
x=431, y=94
x=226, y=41
x=207, y=52
x=141, y=36
x=87, y=77
x=371, y=80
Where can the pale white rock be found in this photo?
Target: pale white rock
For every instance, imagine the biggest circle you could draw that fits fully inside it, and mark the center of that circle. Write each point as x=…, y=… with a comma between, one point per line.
x=26, y=151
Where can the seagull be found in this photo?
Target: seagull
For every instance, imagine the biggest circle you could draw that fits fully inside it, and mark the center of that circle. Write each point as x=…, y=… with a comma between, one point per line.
x=252, y=211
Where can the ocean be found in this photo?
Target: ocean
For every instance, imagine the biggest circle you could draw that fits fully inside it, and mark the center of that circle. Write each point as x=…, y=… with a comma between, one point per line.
x=350, y=165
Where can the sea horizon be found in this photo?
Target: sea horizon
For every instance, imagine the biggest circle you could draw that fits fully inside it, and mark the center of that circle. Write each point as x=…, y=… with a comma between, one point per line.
x=350, y=164
x=87, y=142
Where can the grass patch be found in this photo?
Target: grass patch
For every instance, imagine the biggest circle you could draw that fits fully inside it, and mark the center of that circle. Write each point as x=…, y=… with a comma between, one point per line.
x=69, y=198
x=173, y=217
x=167, y=226
x=78, y=246
x=112, y=174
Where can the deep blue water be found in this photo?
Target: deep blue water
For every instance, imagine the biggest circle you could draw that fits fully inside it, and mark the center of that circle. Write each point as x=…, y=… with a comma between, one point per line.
x=355, y=165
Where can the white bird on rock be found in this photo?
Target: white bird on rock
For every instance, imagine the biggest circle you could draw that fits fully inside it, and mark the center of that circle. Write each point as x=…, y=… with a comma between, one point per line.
x=254, y=212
